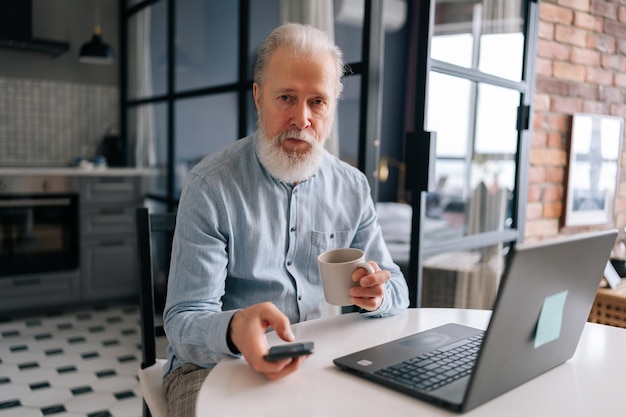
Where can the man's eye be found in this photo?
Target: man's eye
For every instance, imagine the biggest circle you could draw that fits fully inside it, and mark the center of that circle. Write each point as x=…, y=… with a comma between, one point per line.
x=318, y=102
x=284, y=97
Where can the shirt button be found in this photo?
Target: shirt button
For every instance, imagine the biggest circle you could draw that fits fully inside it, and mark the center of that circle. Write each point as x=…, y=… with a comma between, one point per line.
x=288, y=263
x=299, y=298
x=293, y=229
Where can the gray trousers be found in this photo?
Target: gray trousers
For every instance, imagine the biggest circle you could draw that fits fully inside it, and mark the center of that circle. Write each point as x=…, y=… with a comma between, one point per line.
x=181, y=389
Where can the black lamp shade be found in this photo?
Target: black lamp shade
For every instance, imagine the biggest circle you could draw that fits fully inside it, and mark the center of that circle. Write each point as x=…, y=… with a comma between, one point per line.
x=96, y=51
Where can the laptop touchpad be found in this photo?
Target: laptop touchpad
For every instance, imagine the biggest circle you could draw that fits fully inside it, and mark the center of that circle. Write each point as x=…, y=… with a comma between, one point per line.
x=427, y=340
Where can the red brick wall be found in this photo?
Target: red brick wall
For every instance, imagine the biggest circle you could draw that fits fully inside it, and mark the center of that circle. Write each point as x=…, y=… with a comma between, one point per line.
x=581, y=68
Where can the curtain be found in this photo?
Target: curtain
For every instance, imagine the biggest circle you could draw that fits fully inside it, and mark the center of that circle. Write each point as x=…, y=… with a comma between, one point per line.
x=145, y=147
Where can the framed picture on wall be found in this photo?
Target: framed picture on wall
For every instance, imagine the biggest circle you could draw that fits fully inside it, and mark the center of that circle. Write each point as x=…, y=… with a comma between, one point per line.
x=595, y=150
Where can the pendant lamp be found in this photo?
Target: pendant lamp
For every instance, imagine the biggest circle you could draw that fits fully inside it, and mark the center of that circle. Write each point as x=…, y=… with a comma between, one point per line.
x=96, y=51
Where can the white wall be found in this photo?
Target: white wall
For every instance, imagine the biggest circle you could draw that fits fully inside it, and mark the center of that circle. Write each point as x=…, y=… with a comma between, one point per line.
x=70, y=21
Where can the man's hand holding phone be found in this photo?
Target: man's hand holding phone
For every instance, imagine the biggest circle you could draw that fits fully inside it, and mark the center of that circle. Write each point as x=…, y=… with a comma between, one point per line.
x=290, y=350
x=247, y=333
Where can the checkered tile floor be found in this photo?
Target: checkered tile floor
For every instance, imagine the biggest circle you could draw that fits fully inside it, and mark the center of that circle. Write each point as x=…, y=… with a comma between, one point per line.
x=71, y=364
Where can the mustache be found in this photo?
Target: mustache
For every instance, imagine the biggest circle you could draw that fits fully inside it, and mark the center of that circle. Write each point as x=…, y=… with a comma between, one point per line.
x=294, y=134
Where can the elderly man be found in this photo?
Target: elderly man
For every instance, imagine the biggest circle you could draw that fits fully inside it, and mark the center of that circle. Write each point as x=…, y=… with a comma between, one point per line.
x=253, y=218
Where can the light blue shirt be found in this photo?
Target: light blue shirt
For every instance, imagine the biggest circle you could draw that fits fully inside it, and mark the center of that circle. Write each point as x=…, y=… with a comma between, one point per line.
x=243, y=237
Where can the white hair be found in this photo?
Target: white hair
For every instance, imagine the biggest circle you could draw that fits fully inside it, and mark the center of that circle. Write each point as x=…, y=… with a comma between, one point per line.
x=298, y=39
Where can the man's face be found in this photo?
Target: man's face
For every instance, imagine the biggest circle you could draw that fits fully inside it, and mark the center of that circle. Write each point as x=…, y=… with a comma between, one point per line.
x=298, y=95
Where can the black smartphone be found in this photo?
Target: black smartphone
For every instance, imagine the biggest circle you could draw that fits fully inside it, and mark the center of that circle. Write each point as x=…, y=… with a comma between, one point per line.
x=290, y=350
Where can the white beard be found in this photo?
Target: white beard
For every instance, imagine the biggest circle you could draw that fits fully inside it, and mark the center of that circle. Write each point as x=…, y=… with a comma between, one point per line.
x=291, y=168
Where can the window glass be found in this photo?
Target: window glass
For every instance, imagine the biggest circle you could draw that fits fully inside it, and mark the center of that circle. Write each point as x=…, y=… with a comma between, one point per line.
x=205, y=43
x=463, y=278
x=487, y=36
x=203, y=125
x=450, y=216
x=476, y=136
x=502, y=54
x=350, y=39
x=348, y=110
x=495, y=143
x=496, y=119
x=264, y=17
x=147, y=127
x=146, y=52
x=449, y=109
x=450, y=176
x=455, y=49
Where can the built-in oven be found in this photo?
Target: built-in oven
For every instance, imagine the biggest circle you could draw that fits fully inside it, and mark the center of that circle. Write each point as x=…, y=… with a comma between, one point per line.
x=38, y=225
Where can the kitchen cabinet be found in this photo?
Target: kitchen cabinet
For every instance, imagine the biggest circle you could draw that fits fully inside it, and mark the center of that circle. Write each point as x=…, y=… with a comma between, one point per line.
x=34, y=291
x=39, y=265
x=108, y=240
x=102, y=222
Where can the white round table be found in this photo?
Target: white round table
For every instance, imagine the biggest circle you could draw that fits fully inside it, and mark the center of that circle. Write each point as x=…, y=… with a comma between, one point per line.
x=592, y=383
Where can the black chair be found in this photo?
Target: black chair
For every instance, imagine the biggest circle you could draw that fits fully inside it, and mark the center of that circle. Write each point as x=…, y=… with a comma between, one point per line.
x=151, y=371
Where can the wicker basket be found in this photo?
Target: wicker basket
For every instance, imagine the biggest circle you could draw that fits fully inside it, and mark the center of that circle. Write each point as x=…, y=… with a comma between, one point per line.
x=609, y=306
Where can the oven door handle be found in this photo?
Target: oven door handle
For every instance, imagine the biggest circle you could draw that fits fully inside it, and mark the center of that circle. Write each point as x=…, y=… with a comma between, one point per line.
x=26, y=203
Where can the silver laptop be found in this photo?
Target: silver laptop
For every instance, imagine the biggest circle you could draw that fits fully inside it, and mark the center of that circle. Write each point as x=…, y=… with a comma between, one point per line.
x=544, y=300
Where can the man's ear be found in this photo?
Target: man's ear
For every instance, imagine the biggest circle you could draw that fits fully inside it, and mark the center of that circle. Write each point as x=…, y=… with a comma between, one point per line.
x=256, y=94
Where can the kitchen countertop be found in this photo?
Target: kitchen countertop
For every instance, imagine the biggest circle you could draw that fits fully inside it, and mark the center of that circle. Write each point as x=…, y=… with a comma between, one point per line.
x=73, y=171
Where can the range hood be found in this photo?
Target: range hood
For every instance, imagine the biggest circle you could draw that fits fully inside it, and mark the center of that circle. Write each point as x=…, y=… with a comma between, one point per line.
x=16, y=30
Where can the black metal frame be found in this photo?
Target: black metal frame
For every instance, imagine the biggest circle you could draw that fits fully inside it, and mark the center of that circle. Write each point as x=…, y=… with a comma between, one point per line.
x=370, y=69
x=147, y=224
x=420, y=143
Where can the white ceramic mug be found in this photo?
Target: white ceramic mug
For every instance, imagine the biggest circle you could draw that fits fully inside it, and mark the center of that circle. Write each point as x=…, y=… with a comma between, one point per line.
x=336, y=268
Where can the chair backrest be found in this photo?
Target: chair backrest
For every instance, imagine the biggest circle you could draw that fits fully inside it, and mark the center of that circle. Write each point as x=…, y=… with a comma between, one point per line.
x=147, y=225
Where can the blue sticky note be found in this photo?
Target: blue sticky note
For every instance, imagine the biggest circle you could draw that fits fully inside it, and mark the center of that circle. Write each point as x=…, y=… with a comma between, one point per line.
x=550, y=319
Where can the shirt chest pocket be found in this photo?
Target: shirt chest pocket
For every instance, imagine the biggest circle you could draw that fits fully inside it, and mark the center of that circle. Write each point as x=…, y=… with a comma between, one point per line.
x=320, y=243
x=323, y=241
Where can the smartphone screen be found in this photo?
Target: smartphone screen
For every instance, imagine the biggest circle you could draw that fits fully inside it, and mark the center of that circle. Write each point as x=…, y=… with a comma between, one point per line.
x=290, y=350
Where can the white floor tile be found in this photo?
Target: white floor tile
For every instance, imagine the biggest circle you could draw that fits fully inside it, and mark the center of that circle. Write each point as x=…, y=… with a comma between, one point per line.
x=13, y=392
x=21, y=412
x=46, y=396
x=127, y=408
x=115, y=384
x=35, y=375
x=73, y=380
x=89, y=403
x=71, y=364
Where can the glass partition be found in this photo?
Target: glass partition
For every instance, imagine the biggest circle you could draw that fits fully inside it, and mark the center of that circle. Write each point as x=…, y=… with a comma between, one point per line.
x=476, y=143
x=348, y=110
x=148, y=139
x=203, y=125
x=487, y=35
x=204, y=45
x=463, y=278
x=146, y=52
x=474, y=129
x=346, y=36
x=264, y=17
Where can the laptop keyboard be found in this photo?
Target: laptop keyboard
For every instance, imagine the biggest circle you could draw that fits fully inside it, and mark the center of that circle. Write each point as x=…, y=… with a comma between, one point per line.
x=436, y=368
